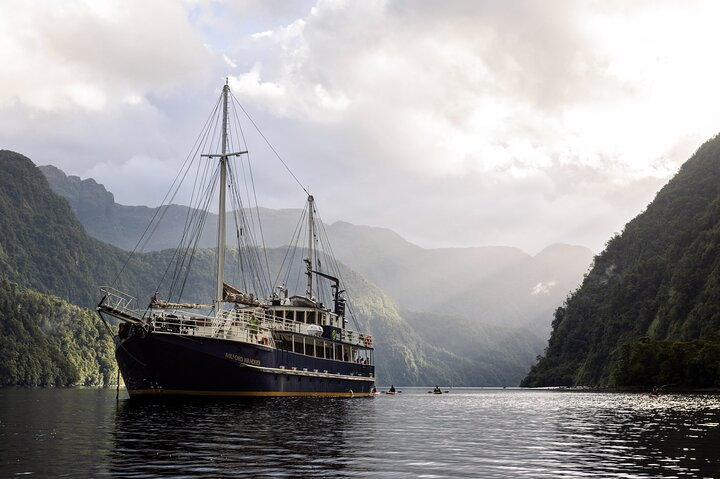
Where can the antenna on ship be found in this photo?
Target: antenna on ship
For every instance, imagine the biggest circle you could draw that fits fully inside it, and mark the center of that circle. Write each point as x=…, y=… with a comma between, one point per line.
x=223, y=158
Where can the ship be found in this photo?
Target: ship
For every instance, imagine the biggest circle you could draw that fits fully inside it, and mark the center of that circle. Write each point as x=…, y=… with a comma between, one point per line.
x=239, y=343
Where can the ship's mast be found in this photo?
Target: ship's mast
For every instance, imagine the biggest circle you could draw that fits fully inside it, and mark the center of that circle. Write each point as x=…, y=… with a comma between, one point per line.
x=223, y=157
x=221, y=207
x=311, y=234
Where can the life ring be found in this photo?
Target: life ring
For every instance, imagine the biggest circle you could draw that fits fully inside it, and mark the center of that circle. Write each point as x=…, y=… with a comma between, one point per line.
x=265, y=341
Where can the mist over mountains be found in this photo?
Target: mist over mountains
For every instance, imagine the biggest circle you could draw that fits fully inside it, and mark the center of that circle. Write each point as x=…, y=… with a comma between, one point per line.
x=46, y=249
x=491, y=285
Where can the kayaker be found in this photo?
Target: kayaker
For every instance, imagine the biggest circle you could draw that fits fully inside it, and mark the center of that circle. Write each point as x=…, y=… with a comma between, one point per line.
x=392, y=388
x=437, y=390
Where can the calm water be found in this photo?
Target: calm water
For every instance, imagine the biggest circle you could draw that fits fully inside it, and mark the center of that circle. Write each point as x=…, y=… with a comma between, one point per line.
x=467, y=433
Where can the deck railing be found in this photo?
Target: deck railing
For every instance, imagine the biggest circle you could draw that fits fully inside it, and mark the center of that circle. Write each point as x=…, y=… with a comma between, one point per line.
x=244, y=324
x=251, y=324
x=117, y=302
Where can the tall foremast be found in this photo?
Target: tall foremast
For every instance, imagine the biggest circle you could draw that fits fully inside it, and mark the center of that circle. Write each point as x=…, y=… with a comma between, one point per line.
x=223, y=158
x=221, y=206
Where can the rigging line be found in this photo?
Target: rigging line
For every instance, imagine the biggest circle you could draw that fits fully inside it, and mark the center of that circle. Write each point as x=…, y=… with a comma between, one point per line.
x=252, y=182
x=295, y=247
x=302, y=245
x=241, y=224
x=337, y=266
x=132, y=253
x=155, y=215
x=192, y=257
x=292, y=250
x=269, y=144
x=195, y=206
x=240, y=133
x=262, y=281
x=239, y=261
x=189, y=218
x=197, y=224
x=199, y=142
x=192, y=219
x=293, y=241
x=257, y=212
x=199, y=180
x=193, y=249
x=251, y=258
x=242, y=257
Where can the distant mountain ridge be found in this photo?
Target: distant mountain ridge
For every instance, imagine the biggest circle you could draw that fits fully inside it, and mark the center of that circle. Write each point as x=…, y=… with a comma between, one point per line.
x=44, y=247
x=491, y=284
x=648, y=312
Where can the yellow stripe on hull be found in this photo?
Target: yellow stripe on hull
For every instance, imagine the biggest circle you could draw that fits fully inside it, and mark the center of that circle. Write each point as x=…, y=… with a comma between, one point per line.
x=182, y=392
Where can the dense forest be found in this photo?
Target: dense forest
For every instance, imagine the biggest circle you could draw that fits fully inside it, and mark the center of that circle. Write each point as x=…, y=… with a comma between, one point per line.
x=649, y=309
x=44, y=341
x=678, y=364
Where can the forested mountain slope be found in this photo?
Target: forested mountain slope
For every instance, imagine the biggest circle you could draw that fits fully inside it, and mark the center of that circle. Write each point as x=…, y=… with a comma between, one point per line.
x=45, y=341
x=44, y=247
x=648, y=312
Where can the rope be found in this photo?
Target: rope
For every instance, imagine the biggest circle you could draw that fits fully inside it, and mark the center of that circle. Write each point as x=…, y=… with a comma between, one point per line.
x=163, y=202
x=270, y=145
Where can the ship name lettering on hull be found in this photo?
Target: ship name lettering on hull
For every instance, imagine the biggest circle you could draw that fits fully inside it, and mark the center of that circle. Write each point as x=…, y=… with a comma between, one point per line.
x=241, y=359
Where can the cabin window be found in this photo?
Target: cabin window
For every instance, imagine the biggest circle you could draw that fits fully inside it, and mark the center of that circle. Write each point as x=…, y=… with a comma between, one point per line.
x=311, y=317
x=299, y=346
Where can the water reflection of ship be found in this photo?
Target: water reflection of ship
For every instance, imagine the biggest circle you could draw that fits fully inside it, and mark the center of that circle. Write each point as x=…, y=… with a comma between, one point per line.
x=257, y=437
x=241, y=344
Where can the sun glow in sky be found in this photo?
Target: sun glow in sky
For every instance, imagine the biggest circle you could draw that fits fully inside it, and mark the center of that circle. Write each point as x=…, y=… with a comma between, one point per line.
x=454, y=123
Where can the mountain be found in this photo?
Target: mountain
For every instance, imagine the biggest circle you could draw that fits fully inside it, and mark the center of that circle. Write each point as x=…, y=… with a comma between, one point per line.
x=45, y=248
x=489, y=285
x=122, y=225
x=501, y=354
x=648, y=311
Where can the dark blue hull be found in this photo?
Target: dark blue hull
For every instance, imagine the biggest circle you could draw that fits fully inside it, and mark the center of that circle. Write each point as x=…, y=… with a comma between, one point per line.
x=165, y=364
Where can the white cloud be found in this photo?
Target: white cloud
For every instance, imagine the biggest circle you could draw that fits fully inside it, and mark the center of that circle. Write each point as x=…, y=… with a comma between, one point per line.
x=460, y=123
x=75, y=54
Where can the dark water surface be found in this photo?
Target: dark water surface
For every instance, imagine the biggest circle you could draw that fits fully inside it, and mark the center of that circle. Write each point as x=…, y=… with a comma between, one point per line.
x=467, y=433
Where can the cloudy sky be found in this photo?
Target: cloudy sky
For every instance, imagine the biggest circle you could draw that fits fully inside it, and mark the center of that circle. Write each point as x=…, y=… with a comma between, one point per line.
x=455, y=123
